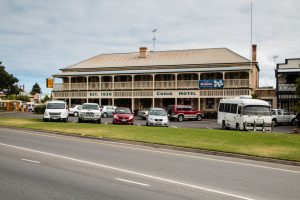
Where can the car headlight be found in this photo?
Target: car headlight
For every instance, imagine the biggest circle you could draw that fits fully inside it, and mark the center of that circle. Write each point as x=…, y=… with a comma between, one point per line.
x=97, y=115
x=130, y=117
x=115, y=116
x=151, y=119
x=81, y=114
x=46, y=114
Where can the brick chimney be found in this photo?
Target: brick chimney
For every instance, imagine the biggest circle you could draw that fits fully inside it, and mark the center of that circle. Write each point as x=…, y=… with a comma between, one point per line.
x=254, y=52
x=144, y=53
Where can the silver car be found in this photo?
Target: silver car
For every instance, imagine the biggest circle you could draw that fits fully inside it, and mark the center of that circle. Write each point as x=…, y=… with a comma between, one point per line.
x=157, y=117
x=90, y=112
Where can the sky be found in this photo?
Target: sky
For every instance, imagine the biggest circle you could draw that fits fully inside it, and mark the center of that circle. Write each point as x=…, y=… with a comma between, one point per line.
x=37, y=38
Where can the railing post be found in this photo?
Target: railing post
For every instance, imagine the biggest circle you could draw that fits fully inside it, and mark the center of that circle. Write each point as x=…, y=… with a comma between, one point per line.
x=153, y=81
x=113, y=82
x=87, y=83
x=132, y=82
x=100, y=83
x=69, y=82
x=175, y=82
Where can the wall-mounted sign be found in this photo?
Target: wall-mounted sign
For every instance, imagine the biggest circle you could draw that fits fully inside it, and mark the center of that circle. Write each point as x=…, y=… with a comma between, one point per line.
x=211, y=84
x=100, y=94
x=177, y=94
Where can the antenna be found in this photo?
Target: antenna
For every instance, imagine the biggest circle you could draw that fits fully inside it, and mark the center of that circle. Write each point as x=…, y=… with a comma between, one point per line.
x=154, y=38
x=275, y=57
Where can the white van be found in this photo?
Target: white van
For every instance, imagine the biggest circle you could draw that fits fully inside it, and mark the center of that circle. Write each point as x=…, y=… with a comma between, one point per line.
x=56, y=110
x=244, y=113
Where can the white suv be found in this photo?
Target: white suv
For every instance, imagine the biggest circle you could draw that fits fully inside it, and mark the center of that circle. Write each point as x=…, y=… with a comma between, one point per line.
x=107, y=111
x=56, y=110
x=89, y=112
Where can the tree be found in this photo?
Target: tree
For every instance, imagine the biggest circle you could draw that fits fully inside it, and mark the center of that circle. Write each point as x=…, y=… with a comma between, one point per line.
x=36, y=89
x=8, y=83
x=23, y=98
x=46, y=98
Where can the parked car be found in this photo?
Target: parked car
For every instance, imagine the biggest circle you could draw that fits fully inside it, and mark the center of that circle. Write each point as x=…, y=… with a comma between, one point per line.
x=56, y=110
x=74, y=110
x=280, y=116
x=157, y=117
x=107, y=111
x=30, y=106
x=143, y=113
x=89, y=112
x=181, y=112
x=123, y=115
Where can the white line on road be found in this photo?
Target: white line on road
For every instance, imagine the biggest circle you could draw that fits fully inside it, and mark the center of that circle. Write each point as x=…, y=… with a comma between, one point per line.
x=33, y=161
x=174, y=126
x=132, y=172
x=133, y=182
x=136, y=147
x=138, y=124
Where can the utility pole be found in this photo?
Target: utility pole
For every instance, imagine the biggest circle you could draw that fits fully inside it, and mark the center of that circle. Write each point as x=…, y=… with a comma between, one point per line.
x=154, y=38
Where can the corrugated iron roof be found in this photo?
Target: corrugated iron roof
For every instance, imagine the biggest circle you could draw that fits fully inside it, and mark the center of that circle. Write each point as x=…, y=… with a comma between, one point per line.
x=161, y=58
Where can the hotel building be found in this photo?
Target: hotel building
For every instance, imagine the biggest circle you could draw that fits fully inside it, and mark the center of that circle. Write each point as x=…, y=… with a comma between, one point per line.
x=197, y=77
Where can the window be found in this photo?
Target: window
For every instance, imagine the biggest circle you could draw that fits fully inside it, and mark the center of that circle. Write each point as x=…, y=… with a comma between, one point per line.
x=227, y=107
x=239, y=109
x=186, y=108
x=233, y=108
x=279, y=112
x=179, y=108
x=221, y=107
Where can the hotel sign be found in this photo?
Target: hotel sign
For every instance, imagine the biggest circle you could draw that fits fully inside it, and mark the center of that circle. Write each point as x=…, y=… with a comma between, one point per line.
x=211, y=84
x=173, y=94
x=100, y=94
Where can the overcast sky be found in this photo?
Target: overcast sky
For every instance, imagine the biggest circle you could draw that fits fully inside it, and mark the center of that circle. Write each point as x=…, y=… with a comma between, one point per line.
x=37, y=38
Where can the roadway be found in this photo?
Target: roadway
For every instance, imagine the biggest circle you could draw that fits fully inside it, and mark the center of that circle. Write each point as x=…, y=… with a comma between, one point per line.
x=35, y=165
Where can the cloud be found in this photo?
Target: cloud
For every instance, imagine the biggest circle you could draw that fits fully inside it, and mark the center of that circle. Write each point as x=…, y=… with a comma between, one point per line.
x=40, y=37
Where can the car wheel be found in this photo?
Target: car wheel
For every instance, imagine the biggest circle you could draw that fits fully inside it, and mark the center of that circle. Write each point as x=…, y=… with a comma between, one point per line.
x=105, y=115
x=237, y=127
x=198, y=118
x=274, y=121
x=224, y=125
x=293, y=122
x=180, y=118
x=75, y=114
x=45, y=120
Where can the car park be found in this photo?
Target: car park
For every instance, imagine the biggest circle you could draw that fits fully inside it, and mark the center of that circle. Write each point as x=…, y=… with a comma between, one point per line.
x=181, y=112
x=143, y=113
x=74, y=110
x=56, y=110
x=123, y=115
x=107, y=111
x=280, y=116
x=89, y=112
x=157, y=117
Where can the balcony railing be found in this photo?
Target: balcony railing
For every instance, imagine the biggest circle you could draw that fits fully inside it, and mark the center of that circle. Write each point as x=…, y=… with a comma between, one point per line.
x=187, y=84
x=164, y=84
x=236, y=83
x=287, y=87
x=181, y=84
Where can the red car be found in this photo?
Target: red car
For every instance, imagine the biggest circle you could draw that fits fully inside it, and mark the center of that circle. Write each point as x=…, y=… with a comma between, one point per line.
x=181, y=112
x=123, y=116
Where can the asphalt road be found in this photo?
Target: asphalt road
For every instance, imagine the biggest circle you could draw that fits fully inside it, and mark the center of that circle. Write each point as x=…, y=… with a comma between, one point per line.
x=205, y=123
x=35, y=165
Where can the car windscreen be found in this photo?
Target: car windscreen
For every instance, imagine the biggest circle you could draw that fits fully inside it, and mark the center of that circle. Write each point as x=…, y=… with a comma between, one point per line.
x=90, y=107
x=256, y=110
x=56, y=106
x=157, y=112
x=122, y=111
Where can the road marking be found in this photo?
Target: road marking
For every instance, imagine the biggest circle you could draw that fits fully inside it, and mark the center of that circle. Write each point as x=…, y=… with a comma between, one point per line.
x=133, y=182
x=136, y=147
x=105, y=123
x=131, y=172
x=138, y=124
x=174, y=126
x=33, y=161
x=74, y=122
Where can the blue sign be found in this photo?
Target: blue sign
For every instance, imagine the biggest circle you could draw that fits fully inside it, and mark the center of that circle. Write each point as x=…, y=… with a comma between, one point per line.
x=211, y=84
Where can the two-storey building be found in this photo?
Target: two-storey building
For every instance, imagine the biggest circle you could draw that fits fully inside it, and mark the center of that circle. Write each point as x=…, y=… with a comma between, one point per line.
x=286, y=75
x=197, y=77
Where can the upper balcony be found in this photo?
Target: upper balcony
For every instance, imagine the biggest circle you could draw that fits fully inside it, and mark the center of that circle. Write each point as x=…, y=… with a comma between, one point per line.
x=150, y=82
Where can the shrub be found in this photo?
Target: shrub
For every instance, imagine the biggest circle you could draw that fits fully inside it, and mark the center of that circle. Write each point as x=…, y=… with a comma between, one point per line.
x=39, y=109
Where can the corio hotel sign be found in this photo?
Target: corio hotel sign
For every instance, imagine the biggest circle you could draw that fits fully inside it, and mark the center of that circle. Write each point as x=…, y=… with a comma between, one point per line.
x=177, y=94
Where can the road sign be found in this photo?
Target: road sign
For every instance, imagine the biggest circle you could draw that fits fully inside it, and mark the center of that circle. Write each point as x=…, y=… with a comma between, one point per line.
x=49, y=83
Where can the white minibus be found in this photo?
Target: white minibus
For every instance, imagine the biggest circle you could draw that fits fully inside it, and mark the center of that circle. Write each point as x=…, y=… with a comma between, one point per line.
x=244, y=113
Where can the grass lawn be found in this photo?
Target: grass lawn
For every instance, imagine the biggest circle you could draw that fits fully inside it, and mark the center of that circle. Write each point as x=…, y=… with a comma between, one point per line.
x=272, y=145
